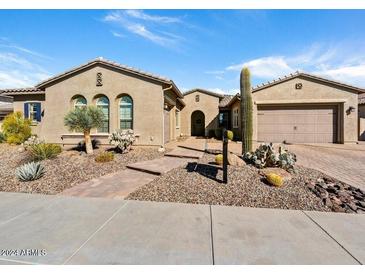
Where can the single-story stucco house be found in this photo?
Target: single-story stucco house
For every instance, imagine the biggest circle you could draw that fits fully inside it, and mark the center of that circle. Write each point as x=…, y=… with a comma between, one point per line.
x=6, y=106
x=130, y=99
x=299, y=108
x=362, y=117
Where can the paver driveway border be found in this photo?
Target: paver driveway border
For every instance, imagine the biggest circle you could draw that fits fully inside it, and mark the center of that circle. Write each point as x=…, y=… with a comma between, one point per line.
x=106, y=231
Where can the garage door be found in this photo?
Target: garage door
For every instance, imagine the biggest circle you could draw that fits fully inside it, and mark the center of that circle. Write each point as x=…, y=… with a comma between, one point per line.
x=297, y=124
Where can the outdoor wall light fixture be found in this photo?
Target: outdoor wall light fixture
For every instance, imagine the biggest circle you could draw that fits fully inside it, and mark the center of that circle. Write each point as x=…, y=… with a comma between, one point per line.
x=350, y=109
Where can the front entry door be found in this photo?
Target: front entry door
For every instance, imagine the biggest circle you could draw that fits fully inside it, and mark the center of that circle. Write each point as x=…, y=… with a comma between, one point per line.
x=197, y=123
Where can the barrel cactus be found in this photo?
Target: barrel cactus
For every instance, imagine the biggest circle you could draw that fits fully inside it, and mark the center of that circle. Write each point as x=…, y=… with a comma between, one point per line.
x=275, y=179
x=29, y=172
x=246, y=111
x=219, y=159
x=230, y=135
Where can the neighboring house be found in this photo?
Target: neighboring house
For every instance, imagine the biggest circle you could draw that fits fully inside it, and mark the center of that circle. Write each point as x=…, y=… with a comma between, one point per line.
x=362, y=117
x=6, y=107
x=200, y=114
x=301, y=108
x=129, y=98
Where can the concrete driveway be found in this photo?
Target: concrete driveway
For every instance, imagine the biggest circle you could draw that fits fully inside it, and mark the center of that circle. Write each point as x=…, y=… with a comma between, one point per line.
x=38, y=229
x=343, y=162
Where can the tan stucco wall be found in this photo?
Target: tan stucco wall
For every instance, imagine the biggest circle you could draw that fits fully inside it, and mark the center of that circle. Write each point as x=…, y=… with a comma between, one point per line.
x=18, y=105
x=362, y=122
x=147, y=98
x=208, y=104
x=314, y=93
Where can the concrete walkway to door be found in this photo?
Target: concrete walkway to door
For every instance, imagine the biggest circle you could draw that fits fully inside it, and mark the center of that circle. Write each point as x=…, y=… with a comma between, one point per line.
x=119, y=184
x=75, y=230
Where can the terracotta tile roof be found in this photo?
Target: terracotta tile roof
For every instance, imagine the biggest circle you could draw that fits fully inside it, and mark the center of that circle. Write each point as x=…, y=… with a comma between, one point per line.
x=101, y=60
x=204, y=91
x=304, y=75
x=362, y=99
x=16, y=91
x=225, y=100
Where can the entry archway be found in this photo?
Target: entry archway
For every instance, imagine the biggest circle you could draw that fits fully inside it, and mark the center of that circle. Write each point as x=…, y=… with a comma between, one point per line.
x=197, y=123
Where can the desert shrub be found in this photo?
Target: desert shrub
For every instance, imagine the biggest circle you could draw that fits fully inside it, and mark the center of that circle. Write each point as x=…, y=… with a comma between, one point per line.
x=104, y=157
x=274, y=179
x=29, y=172
x=266, y=156
x=2, y=137
x=122, y=139
x=211, y=133
x=16, y=129
x=218, y=133
x=81, y=146
x=219, y=159
x=44, y=151
x=31, y=141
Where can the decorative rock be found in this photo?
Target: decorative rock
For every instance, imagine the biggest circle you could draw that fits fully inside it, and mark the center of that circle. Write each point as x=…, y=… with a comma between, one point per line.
x=336, y=201
x=327, y=202
x=352, y=206
x=21, y=149
x=336, y=208
x=234, y=160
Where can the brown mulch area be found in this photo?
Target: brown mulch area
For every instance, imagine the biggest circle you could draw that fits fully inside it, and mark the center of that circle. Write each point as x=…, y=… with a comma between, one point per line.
x=200, y=183
x=66, y=170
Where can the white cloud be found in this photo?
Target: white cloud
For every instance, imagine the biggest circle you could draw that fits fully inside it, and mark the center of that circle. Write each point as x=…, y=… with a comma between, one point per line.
x=144, y=16
x=143, y=25
x=117, y=34
x=20, y=69
x=266, y=67
x=334, y=62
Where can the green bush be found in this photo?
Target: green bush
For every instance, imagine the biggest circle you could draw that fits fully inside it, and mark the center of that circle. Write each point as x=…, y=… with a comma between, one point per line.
x=218, y=133
x=16, y=129
x=211, y=133
x=44, y=151
x=2, y=138
x=104, y=157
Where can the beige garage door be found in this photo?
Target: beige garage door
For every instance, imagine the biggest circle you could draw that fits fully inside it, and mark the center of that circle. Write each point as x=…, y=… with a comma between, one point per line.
x=297, y=124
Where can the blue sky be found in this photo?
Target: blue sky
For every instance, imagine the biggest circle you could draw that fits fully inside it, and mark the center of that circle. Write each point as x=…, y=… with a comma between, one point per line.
x=195, y=48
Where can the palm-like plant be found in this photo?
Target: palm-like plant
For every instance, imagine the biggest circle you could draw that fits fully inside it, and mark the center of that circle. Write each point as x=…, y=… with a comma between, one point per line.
x=84, y=119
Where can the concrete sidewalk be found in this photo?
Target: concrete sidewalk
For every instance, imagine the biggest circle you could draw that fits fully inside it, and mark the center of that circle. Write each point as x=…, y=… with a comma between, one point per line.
x=106, y=231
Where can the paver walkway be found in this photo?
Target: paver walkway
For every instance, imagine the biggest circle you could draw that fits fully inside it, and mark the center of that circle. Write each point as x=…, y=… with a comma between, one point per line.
x=343, y=162
x=75, y=230
x=119, y=184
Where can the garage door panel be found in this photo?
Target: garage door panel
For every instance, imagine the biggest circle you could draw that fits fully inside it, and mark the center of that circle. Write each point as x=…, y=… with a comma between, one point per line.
x=297, y=123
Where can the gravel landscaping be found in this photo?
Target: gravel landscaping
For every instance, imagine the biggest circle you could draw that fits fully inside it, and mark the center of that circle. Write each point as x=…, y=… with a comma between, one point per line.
x=200, y=183
x=66, y=170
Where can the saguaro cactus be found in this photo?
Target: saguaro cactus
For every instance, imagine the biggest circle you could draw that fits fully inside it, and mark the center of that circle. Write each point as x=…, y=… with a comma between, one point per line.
x=246, y=111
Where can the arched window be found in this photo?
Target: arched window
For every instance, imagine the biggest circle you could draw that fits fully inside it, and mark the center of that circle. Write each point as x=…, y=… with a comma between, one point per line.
x=103, y=104
x=80, y=102
x=126, y=112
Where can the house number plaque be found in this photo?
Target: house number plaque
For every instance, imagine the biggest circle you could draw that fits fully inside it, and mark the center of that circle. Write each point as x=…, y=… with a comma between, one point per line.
x=99, y=79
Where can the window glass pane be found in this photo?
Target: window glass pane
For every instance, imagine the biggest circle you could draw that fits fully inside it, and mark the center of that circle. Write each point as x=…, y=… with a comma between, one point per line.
x=103, y=104
x=80, y=102
x=126, y=112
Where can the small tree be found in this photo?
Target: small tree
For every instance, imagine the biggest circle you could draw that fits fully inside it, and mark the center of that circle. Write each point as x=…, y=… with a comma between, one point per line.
x=84, y=119
x=246, y=111
x=16, y=128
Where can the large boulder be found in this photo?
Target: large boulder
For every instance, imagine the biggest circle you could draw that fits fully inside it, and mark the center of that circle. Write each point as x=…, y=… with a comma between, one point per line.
x=234, y=160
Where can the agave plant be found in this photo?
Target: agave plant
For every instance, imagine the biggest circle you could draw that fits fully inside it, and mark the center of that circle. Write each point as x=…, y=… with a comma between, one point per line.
x=29, y=172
